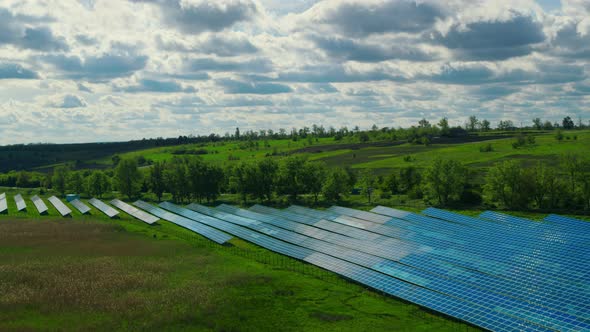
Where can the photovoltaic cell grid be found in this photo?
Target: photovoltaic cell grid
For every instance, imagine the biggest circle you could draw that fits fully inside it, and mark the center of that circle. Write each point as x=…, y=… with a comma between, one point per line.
x=20, y=202
x=60, y=206
x=201, y=229
x=39, y=204
x=3, y=203
x=83, y=208
x=104, y=208
x=134, y=212
x=384, y=270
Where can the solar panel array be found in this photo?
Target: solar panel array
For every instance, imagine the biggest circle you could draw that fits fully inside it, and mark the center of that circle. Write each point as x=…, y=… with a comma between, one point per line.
x=20, y=202
x=83, y=208
x=103, y=207
x=60, y=206
x=3, y=203
x=136, y=213
x=39, y=204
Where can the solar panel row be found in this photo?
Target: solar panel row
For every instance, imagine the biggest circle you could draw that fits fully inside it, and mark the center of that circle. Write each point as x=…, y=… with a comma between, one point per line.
x=20, y=202
x=318, y=245
x=3, y=203
x=204, y=230
x=60, y=206
x=134, y=212
x=83, y=208
x=104, y=208
x=39, y=204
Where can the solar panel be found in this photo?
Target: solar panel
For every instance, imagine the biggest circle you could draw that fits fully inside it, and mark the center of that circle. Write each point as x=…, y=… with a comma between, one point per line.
x=376, y=218
x=20, y=202
x=3, y=203
x=136, y=213
x=402, y=271
x=104, y=208
x=83, y=208
x=568, y=222
x=468, y=311
x=201, y=229
x=39, y=204
x=60, y=206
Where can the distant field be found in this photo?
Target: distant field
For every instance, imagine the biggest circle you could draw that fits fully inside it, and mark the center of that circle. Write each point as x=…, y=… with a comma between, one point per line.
x=122, y=275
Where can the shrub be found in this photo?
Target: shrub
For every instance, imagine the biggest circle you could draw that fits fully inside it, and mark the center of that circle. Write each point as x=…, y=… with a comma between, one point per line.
x=486, y=148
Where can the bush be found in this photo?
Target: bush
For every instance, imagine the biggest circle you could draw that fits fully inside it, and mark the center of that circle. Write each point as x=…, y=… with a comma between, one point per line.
x=471, y=197
x=486, y=148
x=559, y=135
x=415, y=193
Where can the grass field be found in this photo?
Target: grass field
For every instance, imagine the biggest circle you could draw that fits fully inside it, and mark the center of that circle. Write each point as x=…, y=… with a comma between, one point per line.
x=93, y=273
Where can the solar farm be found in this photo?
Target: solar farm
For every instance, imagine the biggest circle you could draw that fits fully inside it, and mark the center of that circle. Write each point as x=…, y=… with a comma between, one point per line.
x=494, y=271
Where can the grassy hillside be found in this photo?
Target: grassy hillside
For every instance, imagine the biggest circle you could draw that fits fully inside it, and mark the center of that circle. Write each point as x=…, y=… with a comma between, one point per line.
x=93, y=273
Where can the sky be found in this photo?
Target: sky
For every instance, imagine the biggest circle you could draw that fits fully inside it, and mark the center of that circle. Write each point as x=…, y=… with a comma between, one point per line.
x=112, y=70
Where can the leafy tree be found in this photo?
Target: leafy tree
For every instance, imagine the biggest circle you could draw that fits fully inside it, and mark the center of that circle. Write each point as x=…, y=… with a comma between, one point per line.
x=128, y=177
x=424, y=123
x=290, y=176
x=116, y=159
x=537, y=123
x=584, y=183
x=157, y=182
x=567, y=123
x=266, y=180
x=444, y=127
x=548, y=125
x=60, y=178
x=364, y=137
x=505, y=125
x=445, y=181
x=485, y=125
x=391, y=184
x=337, y=184
x=241, y=180
x=23, y=179
x=409, y=177
x=368, y=182
x=508, y=183
x=572, y=165
x=545, y=185
x=559, y=135
x=314, y=175
x=97, y=184
x=76, y=182
x=472, y=123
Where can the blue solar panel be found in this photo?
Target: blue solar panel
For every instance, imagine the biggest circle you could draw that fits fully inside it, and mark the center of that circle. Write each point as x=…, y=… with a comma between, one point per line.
x=198, y=228
x=569, y=223
x=401, y=271
x=134, y=212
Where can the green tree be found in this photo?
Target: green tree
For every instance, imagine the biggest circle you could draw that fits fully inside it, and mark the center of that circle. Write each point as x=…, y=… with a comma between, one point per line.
x=97, y=184
x=584, y=183
x=267, y=174
x=337, y=184
x=537, y=123
x=313, y=177
x=472, y=123
x=545, y=186
x=567, y=123
x=571, y=164
x=391, y=184
x=157, y=182
x=291, y=176
x=485, y=125
x=509, y=184
x=445, y=181
x=60, y=178
x=128, y=177
x=409, y=177
x=445, y=130
x=23, y=179
x=76, y=182
x=368, y=182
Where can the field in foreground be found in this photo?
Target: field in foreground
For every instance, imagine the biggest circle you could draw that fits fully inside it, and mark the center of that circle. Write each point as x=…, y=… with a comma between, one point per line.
x=98, y=274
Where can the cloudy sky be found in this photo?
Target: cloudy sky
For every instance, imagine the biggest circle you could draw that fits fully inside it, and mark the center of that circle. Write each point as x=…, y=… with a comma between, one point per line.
x=107, y=70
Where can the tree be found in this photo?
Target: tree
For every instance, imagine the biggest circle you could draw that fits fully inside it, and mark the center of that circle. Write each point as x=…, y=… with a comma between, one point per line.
x=505, y=125
x=409, y=177
x=391, y=184
x=545, y=184
x=266, y=179
x=157, y=182
x=584, y=183
x=23, y=179
x=548, y=125
x=485, y=125
x=337, y=184
x=424, y=123
x=572, y=165
x=444, y=127
x=290, y=176
x=128, y=177
x=567, y=123
x=445, y=181
x=368, y=181
x=59, y=179
x=509, y=184
x=537, y=123
x=176, y=178
x=314, y=175
x=76, y=182
x=472, y=123
x=97, y=184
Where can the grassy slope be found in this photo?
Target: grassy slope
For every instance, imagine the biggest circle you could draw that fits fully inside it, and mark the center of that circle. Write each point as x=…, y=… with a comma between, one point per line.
x=93, y=273
x=546, y=148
